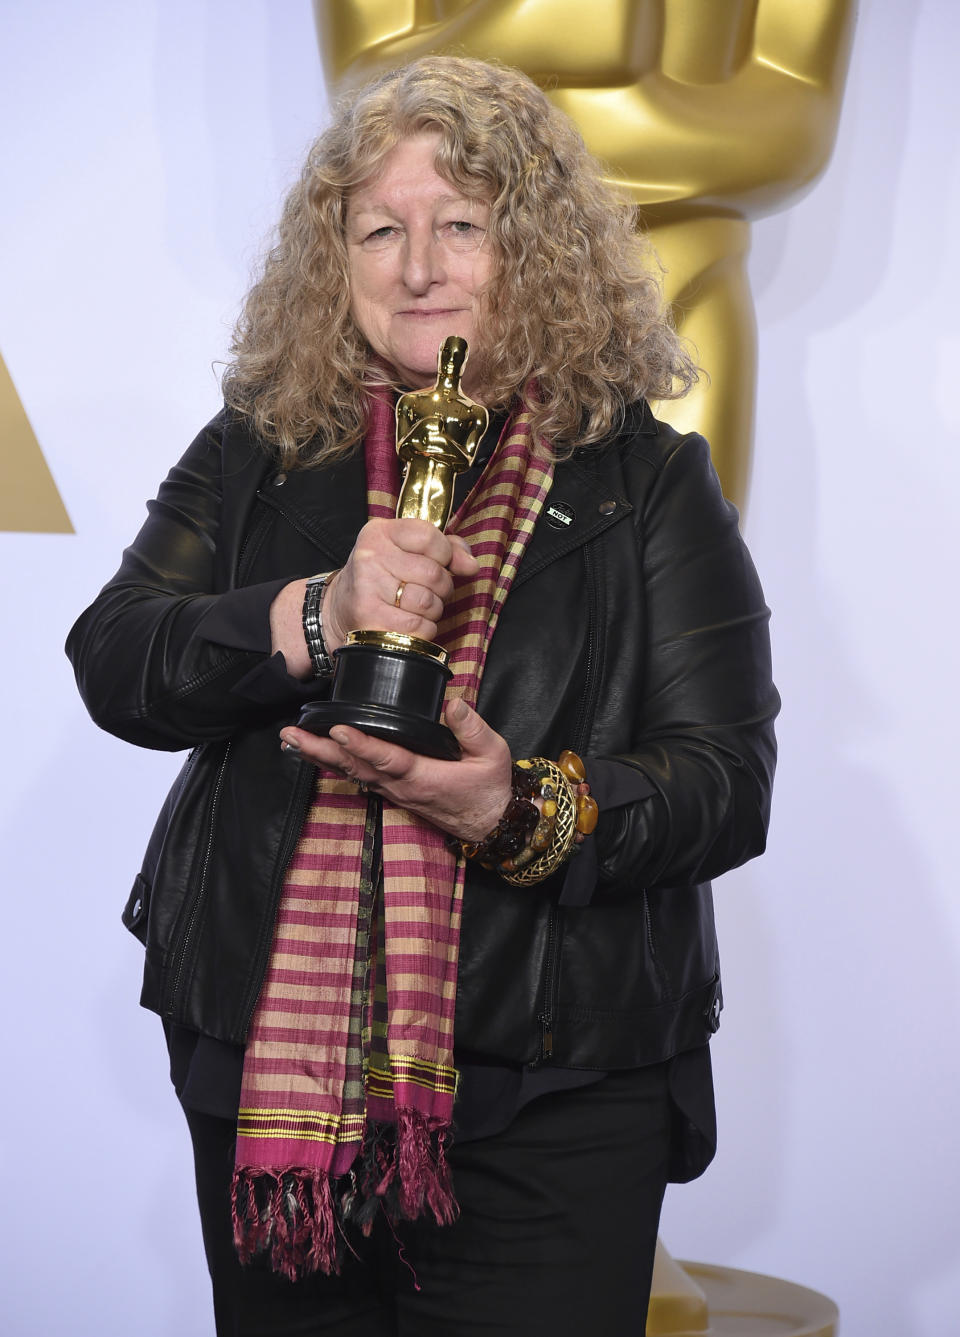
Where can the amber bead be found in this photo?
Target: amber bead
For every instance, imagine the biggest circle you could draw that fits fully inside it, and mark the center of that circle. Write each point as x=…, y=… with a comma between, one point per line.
x=543, y=835
x=526, y=855
x=588, y=814
x=572, y=767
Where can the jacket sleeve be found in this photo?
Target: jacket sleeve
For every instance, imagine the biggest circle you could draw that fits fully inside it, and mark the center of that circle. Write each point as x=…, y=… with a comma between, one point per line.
x=163, y=657
x=705, y=741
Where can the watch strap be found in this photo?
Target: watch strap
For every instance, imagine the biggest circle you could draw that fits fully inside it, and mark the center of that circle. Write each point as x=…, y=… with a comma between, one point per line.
x=313, y=624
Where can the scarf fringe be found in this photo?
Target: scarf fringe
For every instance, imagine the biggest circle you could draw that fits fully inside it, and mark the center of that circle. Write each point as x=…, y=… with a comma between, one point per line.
x=298, y=1219
x=288, y=1217
x=403, y=1169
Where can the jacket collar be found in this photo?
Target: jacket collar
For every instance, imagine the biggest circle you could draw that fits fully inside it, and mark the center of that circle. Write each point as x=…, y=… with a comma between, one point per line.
x=585, y=499
x=587, y=496
x=329, y=505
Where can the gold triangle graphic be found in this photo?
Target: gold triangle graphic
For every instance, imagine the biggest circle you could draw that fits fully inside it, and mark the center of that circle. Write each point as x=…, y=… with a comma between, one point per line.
x=29, y=500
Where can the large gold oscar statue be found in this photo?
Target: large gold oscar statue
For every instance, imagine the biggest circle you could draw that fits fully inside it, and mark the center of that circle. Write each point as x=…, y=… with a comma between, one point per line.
x=29, y=500
x=708, y=112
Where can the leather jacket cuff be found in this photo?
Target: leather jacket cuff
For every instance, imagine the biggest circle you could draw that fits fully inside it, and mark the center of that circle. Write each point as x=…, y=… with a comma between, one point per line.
x=613, y=784
x=240, y=618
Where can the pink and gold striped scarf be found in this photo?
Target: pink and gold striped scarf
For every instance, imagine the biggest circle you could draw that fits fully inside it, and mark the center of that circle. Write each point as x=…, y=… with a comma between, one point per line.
x=348, y=1079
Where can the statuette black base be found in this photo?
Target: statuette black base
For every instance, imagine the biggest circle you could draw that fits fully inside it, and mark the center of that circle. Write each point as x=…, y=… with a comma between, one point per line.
x=386, y=686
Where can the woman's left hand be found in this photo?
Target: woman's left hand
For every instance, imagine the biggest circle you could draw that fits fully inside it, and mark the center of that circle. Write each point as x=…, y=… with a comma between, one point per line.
x=465, y=798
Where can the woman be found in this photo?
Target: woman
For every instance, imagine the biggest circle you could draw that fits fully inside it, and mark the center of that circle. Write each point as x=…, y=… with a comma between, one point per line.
x=333, y=925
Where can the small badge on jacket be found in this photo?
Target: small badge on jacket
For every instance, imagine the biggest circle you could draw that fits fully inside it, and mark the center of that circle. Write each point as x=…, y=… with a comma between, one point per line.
x=559, y=514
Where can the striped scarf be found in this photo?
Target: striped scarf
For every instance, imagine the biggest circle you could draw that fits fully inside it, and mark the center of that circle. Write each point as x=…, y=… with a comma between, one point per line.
x=348, y=1077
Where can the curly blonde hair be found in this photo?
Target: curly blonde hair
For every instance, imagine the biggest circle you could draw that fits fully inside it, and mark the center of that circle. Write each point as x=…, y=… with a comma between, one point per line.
x=575, y=325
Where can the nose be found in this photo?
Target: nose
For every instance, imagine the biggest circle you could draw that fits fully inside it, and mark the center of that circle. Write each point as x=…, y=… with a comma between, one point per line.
x=423, y=262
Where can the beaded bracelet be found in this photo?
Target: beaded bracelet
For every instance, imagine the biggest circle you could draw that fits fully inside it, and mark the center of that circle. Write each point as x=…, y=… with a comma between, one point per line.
x=530, y=843
x=514, y=828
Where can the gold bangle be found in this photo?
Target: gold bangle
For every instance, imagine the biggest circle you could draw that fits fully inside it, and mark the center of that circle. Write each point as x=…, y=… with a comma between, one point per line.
x=564, y=832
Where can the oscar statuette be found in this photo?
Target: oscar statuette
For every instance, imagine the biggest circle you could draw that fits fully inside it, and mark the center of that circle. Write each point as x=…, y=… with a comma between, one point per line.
x=386, y=683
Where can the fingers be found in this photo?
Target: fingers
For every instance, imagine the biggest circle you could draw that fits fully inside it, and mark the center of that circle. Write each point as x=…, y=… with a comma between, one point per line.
x=418, y=601
x=383, y=568
x=432, y=557
x=352, y=754
x=399, y=577
x=448, y=550
x=361, y=756
x=372, y=759
x=462, y=561
x=472, y=732
x=465, y=798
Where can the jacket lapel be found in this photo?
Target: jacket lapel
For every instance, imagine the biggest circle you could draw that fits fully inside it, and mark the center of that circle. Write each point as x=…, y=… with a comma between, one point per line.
x=328, y=505
x=581, y=504
x=587, y=496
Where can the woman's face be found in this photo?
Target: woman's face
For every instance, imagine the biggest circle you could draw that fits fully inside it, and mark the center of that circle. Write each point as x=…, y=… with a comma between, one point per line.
x=419, y=260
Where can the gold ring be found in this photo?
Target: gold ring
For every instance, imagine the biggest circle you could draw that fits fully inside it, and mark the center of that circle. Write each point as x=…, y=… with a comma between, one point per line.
x=399, y=594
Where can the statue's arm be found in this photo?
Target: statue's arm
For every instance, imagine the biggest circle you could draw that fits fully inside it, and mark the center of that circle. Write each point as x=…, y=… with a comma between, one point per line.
x=734, y=105
x=809, y=41
x=350, y=30
x=729, y=103
x=546, y=38
x=693, y=41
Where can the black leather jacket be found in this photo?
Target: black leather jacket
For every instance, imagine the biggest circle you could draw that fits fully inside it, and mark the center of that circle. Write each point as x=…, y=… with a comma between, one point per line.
x=635, y=633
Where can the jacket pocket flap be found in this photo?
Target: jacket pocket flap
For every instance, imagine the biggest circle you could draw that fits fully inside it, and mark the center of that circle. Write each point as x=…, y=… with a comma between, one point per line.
x=135, y=911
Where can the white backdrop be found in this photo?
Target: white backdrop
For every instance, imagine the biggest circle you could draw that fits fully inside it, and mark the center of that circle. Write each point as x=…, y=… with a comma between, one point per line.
x=145, y=150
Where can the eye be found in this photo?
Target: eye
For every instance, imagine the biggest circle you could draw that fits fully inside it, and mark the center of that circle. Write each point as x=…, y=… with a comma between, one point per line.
x=463, y=233
x=380, y=233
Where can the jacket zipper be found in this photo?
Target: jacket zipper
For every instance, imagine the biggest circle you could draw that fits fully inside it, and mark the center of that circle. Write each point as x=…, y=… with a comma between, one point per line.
x=251, y=543
x=652, y=948
x=594, y=664
x=551, y=979
x=181, y=955
x=297, y=524
x=591, y=682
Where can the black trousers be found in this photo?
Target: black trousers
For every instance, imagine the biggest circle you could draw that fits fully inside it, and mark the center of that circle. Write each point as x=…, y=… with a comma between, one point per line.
x=556, y=1234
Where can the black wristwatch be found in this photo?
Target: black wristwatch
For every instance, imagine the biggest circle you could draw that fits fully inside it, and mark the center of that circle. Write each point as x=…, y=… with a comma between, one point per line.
x=313, y=624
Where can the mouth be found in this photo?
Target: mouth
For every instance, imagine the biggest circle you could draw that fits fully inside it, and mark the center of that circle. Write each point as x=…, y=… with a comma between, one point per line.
x=431, y=314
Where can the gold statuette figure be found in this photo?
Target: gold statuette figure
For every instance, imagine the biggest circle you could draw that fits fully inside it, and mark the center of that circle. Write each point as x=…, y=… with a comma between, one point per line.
x=438, y=432
x=709, y=113
x=385, y=683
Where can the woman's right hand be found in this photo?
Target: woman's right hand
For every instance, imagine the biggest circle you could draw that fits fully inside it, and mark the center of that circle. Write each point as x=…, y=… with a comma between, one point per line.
x=409, y=557
x=388, y=555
